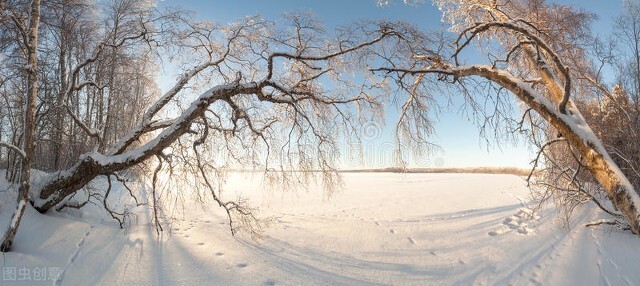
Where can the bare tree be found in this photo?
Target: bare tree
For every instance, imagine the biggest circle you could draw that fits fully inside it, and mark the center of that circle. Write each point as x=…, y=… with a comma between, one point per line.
x=261, y=96
x=529, y=47
x=29, y=35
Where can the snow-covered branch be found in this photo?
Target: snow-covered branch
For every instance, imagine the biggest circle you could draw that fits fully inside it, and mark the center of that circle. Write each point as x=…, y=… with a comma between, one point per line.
x=13, y=148
x=572, y=126
x=62, y=184
x=531, y=39
x=147, y=119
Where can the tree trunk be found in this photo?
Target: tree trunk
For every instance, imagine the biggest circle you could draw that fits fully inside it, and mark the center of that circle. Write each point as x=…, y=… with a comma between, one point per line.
x=29, y=126
x=91, y=165
x=573, y=127
x=60, y=110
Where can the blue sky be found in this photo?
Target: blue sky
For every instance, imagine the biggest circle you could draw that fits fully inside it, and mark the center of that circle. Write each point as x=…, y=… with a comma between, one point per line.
x=458, y=136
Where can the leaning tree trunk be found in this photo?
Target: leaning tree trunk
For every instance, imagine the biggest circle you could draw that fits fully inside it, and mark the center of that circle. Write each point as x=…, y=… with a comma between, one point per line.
x=575, y=129
x=556, y=107
x=63, y=184
x=29, y=126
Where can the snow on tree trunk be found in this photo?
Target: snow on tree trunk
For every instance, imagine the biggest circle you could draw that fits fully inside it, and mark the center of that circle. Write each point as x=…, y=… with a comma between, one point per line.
x=62, y=184
x=29, y=126
x=573, y=127
x=527, y=54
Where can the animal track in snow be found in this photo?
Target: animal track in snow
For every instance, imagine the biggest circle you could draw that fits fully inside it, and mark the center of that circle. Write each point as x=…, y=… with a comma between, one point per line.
x=72, y=258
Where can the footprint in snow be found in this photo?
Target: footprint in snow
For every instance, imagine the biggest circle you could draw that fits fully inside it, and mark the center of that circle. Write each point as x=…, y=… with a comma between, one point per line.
x=498, y=232
x=269, y=282
x=411, y=240
x=200, y=243
x=392, y=231
x=219, y=254
x=519, y=223
x=242, y=265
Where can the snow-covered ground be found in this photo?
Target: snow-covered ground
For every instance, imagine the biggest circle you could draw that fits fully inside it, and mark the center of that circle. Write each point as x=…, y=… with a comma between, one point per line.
x=383, y=228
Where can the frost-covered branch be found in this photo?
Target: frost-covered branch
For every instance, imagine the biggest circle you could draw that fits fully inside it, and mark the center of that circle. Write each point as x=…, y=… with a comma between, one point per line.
x=62, y=184
x=13, y=148
x=384, y=33
x=147, y=119
x=531, y=39
x=572, y=126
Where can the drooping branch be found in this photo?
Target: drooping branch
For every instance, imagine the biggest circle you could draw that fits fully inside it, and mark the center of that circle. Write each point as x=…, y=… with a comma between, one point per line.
x=115, y=215
x=541, y=151
x=571, y=125
x=62, y=184
x=205, y=177
x=154, y=195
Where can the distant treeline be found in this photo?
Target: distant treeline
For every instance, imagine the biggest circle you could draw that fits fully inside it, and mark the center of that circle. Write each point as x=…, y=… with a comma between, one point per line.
x=478, y=170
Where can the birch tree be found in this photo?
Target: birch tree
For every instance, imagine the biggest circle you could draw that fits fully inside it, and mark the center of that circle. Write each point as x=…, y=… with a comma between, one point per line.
x=534, y=53
x=29, y=33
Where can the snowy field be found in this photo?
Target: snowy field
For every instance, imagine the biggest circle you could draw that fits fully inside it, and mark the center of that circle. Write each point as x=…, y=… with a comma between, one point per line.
x=382, y=229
